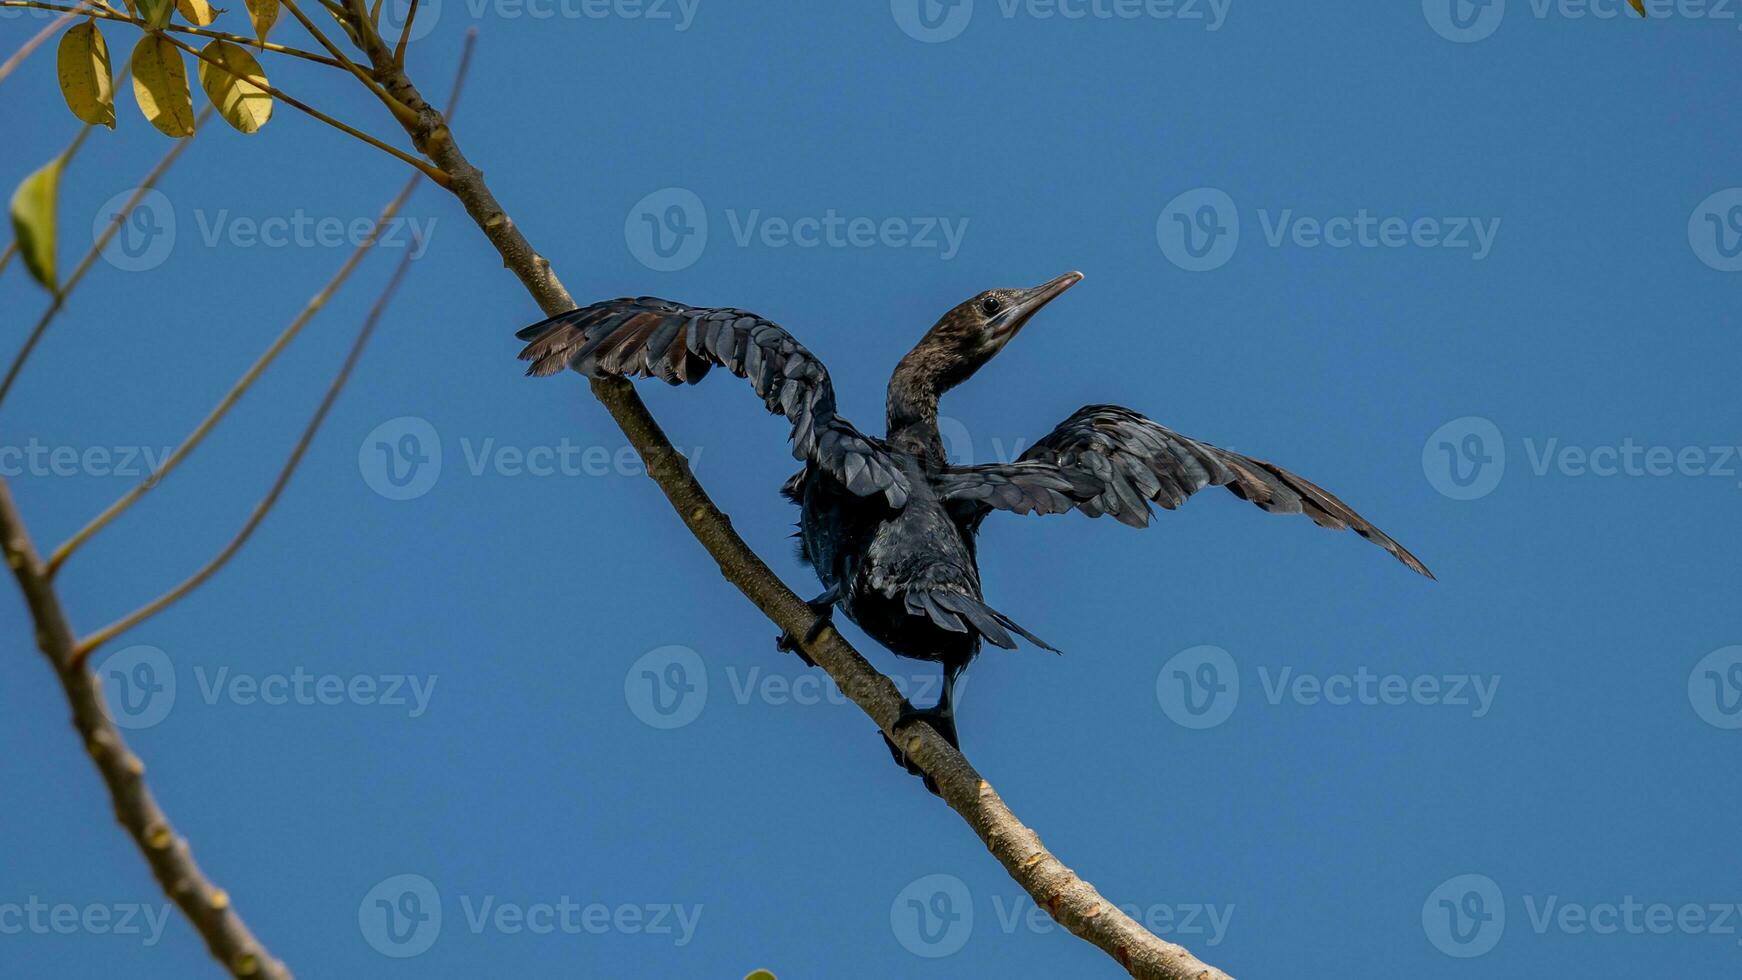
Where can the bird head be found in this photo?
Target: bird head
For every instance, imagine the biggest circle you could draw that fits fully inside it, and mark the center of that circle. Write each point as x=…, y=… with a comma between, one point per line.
x=976, y=330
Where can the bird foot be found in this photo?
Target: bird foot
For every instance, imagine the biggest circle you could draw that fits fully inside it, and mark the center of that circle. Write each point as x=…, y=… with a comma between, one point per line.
x=787, y=643
x=941, y=719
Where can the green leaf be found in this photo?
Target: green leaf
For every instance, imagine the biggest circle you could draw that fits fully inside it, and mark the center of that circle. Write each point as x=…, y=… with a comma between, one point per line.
x=760, y=975
x=156, y=12
x=33, y=222
x=85, y=81
x=263, y=14
x=237, y=89
x=160, y=84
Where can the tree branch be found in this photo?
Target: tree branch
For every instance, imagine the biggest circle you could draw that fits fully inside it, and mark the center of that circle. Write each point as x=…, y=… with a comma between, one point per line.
x=83, y=648
x=206, y=905
x=315, y=304
x=1071, y=900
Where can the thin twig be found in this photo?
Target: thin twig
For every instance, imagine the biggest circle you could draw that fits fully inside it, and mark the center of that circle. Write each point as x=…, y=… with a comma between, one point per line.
x=172, y=862
x=83, y=650
x=404, y=37
x=31, y=45
x=206, y=906
x=1071, y=900
x=6, y=256
x=240, y=388
x=96, y=249
x=393, y=105
x=251, y=42
x=84, y=647
x=433, y=173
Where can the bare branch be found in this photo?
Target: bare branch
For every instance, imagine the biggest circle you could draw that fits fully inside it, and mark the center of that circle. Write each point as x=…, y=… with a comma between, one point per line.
x=1072, y=901
x=107, y=633
x=315, y=304
x=194, y=581
x=172, y=862
x=404, y=36
x=393, y=105
x=96, y=249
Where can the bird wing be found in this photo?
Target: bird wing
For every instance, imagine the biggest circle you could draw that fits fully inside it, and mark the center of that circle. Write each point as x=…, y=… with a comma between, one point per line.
x=1105, y=459
x=649, y=337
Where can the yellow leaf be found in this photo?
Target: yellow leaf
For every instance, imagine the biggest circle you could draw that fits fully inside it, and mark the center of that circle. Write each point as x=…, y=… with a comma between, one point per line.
x=1638, y=5
x=160, y=84
x=760, y=975
x=197, y=12
x=33, y=221
x=263, y=13
x=237, y=88
x=85, y=81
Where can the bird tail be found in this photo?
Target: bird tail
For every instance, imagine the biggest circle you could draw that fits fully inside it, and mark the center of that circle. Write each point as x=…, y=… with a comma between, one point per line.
x=960, y=612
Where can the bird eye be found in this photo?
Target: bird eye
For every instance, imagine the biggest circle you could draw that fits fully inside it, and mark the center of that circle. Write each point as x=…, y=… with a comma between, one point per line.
x=990, y=304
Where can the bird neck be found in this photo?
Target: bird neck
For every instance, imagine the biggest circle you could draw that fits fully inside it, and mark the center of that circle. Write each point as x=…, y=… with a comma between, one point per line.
x=913, y=403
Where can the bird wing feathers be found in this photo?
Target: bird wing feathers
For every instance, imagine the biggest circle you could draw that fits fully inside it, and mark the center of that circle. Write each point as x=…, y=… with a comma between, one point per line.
x=656, y=338
x=1105, y=459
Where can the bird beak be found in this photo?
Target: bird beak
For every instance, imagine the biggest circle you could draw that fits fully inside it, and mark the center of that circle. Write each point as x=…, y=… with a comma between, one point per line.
x=1028, y=303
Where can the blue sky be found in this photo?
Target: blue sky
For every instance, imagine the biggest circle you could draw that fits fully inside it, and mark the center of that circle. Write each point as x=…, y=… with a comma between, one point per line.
x=1484, y=288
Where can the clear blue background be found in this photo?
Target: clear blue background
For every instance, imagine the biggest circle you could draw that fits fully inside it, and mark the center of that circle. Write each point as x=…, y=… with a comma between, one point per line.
x=529, y=778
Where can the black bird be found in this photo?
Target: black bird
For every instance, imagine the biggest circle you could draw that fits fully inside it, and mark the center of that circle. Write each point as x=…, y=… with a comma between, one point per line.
x=889, y=524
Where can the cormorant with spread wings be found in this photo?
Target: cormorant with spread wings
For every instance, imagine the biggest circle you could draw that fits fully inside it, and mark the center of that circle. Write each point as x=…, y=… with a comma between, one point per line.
x=889, y=524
